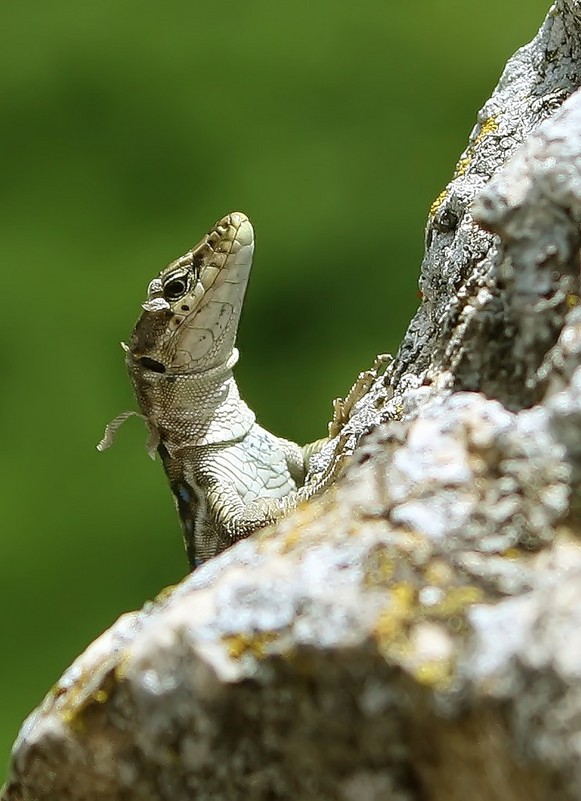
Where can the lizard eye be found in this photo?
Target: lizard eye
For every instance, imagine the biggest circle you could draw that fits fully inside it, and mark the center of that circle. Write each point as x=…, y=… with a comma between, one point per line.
x=175, y=288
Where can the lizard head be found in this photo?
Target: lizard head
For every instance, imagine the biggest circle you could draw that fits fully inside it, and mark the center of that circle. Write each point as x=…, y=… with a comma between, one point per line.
x=190, y=317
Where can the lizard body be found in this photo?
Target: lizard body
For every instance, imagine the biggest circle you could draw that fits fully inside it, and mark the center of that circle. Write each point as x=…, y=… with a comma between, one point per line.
x=229, y=476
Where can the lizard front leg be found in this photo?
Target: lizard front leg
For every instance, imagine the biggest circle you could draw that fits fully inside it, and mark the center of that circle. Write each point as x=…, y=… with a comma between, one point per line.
x=224, y=493
x=231, y=518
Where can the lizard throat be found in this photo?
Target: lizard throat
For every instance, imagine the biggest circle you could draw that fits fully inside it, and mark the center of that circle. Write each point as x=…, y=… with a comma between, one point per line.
x=189, y=410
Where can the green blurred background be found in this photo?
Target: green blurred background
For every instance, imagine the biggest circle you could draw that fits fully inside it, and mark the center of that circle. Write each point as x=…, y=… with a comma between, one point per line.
x=127, y=129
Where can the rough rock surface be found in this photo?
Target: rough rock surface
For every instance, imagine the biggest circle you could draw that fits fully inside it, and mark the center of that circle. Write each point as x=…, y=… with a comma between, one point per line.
x=414, y=633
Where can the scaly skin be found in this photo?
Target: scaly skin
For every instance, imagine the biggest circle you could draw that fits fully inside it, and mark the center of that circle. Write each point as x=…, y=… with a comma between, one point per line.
x=229, y=476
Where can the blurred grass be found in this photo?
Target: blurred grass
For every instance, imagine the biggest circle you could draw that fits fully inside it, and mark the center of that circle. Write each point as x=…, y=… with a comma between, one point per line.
x=127, y=130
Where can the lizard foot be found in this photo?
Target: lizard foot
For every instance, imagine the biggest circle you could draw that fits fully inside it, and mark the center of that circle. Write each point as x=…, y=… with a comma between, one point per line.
x=342, y=408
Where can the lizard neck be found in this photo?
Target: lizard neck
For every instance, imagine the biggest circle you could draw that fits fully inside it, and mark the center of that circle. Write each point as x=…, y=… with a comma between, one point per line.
x=189, y=410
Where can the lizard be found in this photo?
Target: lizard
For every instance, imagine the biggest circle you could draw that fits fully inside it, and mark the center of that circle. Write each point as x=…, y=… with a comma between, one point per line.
x=228, y=475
